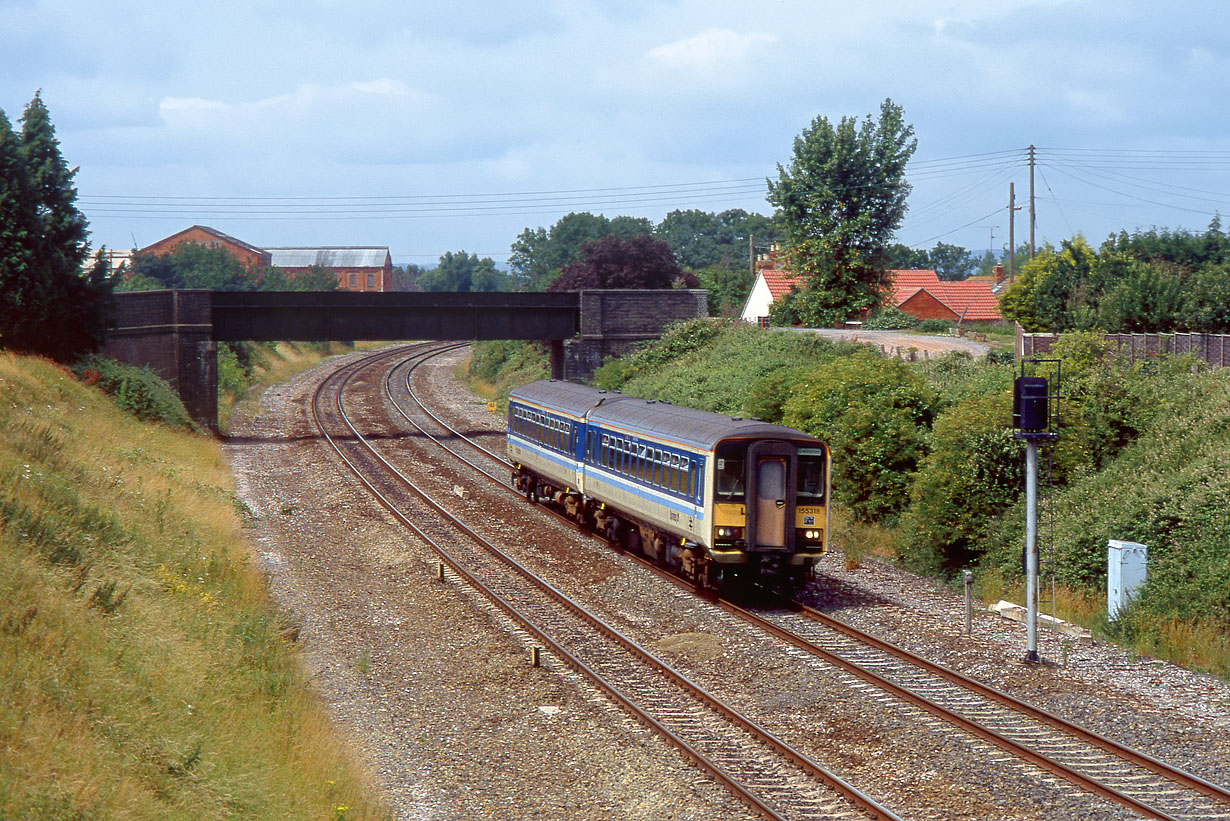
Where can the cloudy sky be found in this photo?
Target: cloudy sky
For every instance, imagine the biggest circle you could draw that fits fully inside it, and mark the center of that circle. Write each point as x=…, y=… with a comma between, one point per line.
x=433, y=127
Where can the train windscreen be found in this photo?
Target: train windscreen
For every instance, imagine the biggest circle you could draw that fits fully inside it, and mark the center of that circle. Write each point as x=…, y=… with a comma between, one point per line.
x=728, y=475
x=810, y=489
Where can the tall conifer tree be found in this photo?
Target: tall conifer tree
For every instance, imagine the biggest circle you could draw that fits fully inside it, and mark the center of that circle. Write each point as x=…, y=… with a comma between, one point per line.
x=48, y=305
x=19, y=285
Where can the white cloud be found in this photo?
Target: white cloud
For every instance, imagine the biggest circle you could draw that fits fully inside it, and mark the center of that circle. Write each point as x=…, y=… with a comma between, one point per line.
x=712, y=49
x=376, y=101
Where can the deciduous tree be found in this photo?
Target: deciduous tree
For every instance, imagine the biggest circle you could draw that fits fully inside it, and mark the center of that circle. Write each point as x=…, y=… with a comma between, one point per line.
x=838, y=204
x=612, y=262
x=462, y=272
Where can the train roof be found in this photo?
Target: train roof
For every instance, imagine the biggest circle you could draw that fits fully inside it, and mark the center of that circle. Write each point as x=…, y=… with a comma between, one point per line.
x=686, y=426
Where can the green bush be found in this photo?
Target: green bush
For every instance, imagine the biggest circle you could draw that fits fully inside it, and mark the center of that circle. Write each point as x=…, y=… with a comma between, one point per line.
x=875, y=414
x=719, y=374
x=233, y=377
x=956, y=375
x=889, y=319
x=933, y=326
x=971, y=475
x=1166, y=489
x=138, y=391
x=508, y=364
x=766, y=399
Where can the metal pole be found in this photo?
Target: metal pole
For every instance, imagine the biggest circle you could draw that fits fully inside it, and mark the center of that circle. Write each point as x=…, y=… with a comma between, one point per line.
x=1031, y=551
x=968, y=577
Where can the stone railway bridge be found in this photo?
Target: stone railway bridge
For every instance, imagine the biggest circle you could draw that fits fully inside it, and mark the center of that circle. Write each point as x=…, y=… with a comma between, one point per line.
x=176, y=332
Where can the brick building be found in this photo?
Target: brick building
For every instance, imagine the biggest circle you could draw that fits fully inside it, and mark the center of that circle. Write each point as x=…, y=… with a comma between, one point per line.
x=356, y=268
x=210, y=238
x=919, y=293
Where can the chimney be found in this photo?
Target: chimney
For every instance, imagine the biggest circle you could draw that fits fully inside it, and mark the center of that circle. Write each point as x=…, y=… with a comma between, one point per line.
x=998, y=270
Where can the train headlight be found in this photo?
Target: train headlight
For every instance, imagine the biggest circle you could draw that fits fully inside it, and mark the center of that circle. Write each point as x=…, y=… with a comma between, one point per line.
x=729, y=532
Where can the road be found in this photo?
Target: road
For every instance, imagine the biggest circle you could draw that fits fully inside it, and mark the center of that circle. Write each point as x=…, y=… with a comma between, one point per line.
x=891, y=342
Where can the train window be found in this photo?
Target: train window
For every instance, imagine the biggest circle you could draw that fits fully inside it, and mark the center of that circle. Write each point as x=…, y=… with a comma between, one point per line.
x=810, y=488
x=728, y=478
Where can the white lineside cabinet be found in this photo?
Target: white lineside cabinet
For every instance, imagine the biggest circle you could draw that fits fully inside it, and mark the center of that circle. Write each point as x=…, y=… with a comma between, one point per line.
x=1127, y=565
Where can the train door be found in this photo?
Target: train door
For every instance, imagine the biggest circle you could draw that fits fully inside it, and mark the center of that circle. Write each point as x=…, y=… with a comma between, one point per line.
x=771, y=474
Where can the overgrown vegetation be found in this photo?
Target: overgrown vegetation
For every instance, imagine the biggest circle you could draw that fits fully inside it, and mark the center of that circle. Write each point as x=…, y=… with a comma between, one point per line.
x=1150, y=281
x=926, y=469
x=138, y=391
x=497, y=367
x=241, y=365
x=144, y=673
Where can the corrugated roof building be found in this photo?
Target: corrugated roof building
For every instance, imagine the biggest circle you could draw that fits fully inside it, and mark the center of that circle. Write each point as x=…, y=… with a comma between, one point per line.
x=357, y=268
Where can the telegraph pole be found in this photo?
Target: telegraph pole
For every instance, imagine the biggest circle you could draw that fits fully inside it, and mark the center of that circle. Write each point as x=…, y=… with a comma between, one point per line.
x=1033, y=215
x=1012, y=209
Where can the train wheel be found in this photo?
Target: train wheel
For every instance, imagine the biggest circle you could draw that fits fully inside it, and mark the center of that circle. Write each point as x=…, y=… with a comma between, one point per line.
x=632, y=540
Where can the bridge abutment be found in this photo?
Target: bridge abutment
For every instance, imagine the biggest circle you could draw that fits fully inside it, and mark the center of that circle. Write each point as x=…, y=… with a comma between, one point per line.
x=176, y=332
x=172, y=333
x=614, y=322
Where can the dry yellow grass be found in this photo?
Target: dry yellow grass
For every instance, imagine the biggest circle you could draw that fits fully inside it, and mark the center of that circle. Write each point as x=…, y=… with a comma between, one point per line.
x=144, y=671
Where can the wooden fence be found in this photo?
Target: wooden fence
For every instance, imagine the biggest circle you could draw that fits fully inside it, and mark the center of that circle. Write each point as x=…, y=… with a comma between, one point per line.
x=1212, y=348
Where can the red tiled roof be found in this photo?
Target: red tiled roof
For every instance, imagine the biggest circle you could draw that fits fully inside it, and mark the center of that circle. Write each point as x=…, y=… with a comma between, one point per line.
x=971, y=299
x=779, y=282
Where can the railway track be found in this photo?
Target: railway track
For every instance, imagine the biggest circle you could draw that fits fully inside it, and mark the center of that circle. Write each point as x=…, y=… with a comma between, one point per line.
x=766, y=773
x=1086, y=760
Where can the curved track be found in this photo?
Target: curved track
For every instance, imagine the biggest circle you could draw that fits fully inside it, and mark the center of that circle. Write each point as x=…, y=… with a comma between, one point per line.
x=1094, y=763
x=766, y=773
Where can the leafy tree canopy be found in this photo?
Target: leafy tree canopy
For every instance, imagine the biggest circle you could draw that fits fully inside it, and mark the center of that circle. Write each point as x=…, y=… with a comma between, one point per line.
x=463, y=272
x=703, y=239
x=191, y=265
x=612, y=262
x=699, y=239
x=950, y=262
x=538, y=255
x=838, y=204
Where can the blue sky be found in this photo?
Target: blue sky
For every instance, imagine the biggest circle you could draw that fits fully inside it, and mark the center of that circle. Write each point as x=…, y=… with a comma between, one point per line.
x=453, y=126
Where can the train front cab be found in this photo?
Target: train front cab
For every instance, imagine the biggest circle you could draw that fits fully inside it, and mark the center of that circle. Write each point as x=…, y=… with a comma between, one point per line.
x=770, y=506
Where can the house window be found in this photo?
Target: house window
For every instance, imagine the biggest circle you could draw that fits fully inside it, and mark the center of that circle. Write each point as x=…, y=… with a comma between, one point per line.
x=371, y=282
x=354, y=280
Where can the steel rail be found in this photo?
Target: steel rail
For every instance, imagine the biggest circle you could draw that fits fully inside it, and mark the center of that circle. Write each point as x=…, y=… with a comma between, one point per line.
x=1088, y=783
x=1161, y=768
x=851, y=793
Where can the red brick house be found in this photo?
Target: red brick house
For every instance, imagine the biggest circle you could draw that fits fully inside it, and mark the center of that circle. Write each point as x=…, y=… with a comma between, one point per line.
x=204, y=235
x=919, y=293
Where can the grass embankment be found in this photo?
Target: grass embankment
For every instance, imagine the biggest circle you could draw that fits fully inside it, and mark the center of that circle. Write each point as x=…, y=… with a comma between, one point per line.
x=926, y=471
x=144, y=671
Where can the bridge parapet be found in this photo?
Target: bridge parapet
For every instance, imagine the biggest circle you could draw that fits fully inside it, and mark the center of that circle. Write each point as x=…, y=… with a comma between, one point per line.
x=176, y=332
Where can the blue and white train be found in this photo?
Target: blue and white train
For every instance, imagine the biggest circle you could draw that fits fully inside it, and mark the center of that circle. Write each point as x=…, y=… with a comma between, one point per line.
x=717, y=498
